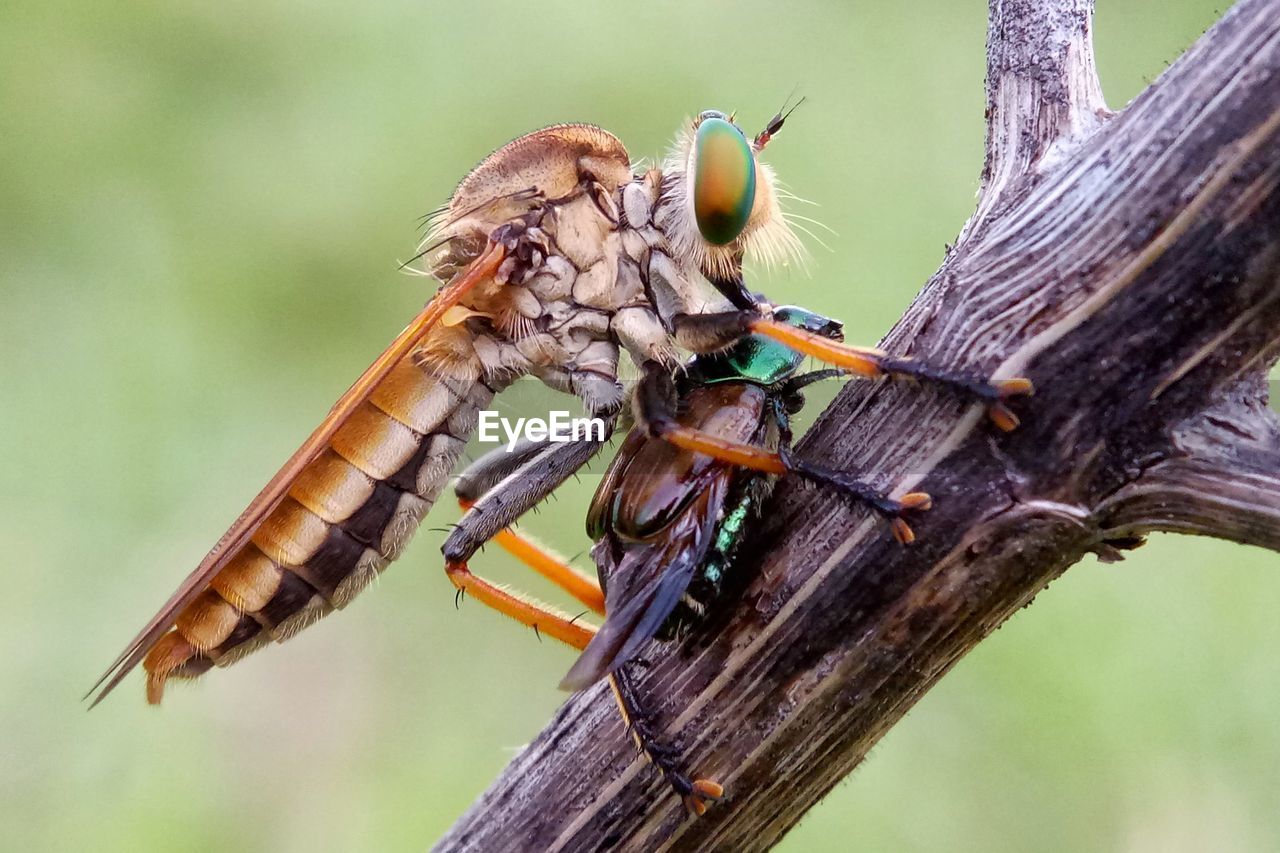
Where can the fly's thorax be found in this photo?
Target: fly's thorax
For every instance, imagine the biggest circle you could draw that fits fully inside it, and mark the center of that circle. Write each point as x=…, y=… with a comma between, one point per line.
x=588, y=237
x=550, y=163
x=669, y=283
x=587, y=270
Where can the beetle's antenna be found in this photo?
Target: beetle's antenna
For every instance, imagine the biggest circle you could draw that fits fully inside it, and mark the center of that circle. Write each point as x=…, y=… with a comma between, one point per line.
x=775, y=124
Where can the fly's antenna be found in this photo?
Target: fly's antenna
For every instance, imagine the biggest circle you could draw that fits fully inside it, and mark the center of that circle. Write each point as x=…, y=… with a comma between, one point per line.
x=775, y=124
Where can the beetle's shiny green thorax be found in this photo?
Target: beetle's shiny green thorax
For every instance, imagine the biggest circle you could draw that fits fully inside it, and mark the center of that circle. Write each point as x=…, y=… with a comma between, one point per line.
x=762, y=360
x=724, y=179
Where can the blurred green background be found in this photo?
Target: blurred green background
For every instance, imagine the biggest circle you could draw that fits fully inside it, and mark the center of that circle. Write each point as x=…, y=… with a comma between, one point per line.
x=201, y=211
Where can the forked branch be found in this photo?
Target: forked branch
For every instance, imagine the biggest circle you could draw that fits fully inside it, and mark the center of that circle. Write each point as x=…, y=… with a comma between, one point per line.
x=1128, y=263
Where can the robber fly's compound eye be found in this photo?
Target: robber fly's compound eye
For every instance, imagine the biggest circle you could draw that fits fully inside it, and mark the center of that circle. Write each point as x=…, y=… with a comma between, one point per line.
x=724, y=180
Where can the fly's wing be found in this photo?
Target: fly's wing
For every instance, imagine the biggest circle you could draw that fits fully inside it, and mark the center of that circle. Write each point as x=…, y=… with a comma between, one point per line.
x=648, y=583
x=271, y=496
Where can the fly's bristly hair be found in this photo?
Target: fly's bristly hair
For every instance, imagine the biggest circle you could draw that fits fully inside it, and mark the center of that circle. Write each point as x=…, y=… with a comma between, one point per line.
x=799, y=222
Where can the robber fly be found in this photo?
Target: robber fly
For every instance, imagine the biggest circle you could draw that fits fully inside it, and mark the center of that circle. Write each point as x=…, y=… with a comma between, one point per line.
x=554, y=256
x=667, y=522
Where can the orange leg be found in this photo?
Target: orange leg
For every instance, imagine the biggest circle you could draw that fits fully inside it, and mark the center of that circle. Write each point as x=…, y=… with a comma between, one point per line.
x=572, y=581
x=524, y=610
x=871, y=362
x=733, y=452
x=553, y=568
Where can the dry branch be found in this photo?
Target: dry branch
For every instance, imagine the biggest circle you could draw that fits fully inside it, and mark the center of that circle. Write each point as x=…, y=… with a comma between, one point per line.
x=1129, y=264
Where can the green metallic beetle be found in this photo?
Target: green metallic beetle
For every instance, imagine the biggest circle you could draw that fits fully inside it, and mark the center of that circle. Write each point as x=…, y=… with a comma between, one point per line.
x=667, y=521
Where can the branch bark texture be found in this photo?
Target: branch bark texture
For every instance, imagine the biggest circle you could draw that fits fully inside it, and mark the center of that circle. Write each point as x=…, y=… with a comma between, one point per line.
x=1129, y=263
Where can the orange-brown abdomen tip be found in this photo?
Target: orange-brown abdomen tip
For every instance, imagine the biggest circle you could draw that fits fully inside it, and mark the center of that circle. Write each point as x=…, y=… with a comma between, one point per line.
x=170, y=652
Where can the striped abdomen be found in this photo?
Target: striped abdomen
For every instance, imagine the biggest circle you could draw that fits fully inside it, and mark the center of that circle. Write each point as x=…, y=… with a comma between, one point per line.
x=348, y=514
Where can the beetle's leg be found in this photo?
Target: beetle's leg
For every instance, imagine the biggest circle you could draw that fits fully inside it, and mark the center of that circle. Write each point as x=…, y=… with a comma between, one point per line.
x=497, y=489
x=842, y=482
x=655, y=409
x=696, y=794
x=862, y=492
x=712, y=332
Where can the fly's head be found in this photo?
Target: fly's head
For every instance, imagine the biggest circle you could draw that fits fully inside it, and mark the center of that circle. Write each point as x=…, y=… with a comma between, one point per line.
x=721, y=201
